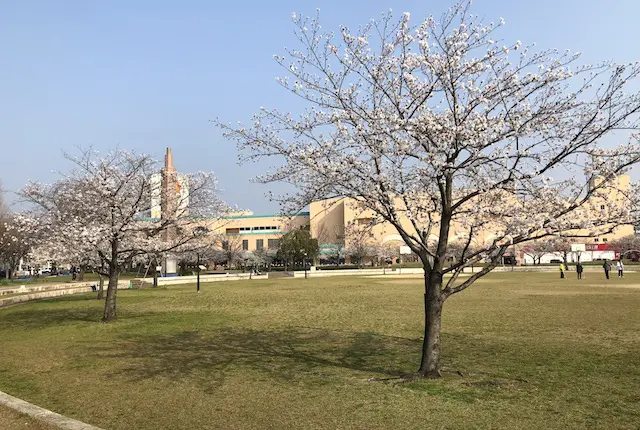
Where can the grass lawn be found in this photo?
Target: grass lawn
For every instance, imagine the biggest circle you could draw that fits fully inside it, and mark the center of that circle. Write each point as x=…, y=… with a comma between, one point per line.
x=535, y=351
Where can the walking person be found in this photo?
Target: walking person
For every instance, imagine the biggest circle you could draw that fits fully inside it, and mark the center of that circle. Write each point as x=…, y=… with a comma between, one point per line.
x=561, y=271
x=606, y=266
x=579, y=270
x=620, y=268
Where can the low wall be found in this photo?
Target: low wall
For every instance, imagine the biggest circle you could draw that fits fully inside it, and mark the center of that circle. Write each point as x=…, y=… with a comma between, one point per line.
x=360, y=272
x=39, y=295
x=27, y=288
x=177, y=280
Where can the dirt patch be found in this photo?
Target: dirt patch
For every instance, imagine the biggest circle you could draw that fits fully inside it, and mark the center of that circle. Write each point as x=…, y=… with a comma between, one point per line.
x=411, y=276
x=586, y=290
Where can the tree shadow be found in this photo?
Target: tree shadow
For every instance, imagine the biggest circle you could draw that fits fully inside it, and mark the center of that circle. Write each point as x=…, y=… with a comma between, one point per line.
x=39, y=317
x=298, y=353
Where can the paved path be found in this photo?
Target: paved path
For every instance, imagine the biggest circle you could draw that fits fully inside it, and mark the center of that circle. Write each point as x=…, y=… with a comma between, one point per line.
x=42, y=414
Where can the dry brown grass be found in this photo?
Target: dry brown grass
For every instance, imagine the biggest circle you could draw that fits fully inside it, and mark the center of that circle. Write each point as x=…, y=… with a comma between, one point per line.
x=301, y=353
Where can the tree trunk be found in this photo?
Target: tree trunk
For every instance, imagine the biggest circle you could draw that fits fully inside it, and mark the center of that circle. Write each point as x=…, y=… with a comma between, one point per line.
x=101, y=288
x=81, y=274
x=112, y=290
x=433, y=300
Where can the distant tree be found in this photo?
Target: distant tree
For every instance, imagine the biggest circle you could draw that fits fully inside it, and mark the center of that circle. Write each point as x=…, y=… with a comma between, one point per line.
x=360, y=241
x=18, y=234
x=264, y=257
x=626, y=245
x=538, y=249
x=332, y=235
x=440, y=125
x=297, y=246
x=100, y=205
x=230, y=250
x=562, y=245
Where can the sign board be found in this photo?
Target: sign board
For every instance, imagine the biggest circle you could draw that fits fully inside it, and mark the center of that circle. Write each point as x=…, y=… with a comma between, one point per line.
x=598, y=247
x=575, y=247
x=405, y=250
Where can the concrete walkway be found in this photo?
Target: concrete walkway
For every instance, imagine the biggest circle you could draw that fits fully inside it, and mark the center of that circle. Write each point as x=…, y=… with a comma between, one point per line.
x=42, y=414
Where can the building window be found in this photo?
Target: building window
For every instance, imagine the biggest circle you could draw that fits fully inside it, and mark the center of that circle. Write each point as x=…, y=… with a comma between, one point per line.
x=602, y=207
x=596, y=240
x=245, y=245
x=259, y=244
x=273, y=243
x=604, y=240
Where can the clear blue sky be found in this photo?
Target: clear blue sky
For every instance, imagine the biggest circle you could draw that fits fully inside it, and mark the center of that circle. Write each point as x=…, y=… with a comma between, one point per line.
x=144, y=75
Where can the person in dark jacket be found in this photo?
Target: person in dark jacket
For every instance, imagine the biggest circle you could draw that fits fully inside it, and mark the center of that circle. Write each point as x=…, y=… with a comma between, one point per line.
x=579, y=270
x=607, y=267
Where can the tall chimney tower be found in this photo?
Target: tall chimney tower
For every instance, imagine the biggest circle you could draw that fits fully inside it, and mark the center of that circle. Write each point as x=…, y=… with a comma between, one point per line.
x=169, y=201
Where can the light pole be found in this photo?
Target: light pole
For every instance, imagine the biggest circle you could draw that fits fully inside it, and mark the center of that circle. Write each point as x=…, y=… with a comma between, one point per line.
x=304, y=263
x=198, y=272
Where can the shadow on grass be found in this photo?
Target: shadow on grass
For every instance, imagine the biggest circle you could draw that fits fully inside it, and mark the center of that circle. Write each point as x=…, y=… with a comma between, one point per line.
x=293, y=354
x=56, y=311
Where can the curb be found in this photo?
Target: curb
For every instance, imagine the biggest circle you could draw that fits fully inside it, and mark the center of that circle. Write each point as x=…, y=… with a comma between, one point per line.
x=50, y=294
x=43, y=414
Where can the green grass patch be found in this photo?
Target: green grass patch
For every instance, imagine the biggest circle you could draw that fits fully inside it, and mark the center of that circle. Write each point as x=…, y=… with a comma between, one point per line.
x=519, y=350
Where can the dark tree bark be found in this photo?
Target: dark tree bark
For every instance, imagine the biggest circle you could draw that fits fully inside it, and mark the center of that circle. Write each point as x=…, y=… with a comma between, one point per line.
x=433, y=301
x=112, y=288
x=101, y=288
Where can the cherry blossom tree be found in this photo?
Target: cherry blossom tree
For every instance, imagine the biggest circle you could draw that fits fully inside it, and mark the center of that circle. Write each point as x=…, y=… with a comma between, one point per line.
x=387, y=252
x=562, y=245
x=98, y=208
x=360, y=244
x=538, y=249
x=626, y=245
x=332, y=236
x=440, y=126
x=230, y=250
x=18, y=234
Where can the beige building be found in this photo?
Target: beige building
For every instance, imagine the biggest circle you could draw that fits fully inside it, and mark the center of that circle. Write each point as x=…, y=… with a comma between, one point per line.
x=334, y=222
x=344, y=230
x=249, y=232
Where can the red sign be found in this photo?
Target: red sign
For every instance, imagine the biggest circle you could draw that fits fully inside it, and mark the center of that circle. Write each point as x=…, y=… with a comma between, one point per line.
x=598, y=247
